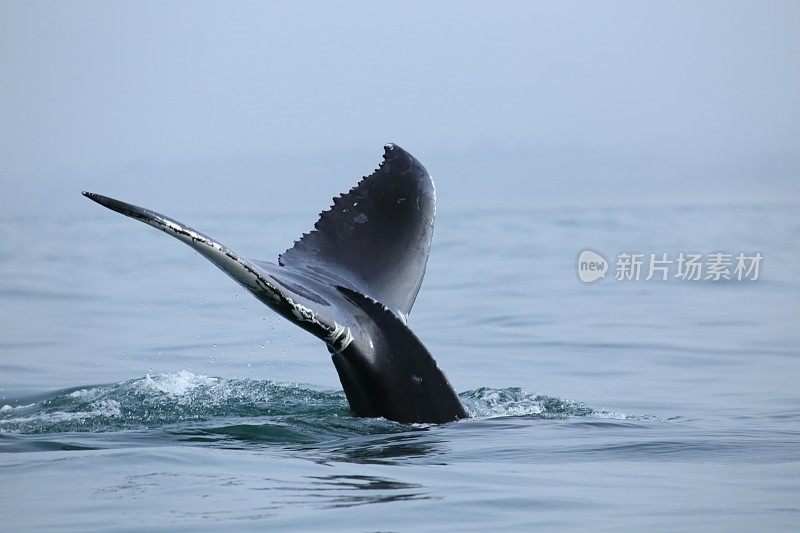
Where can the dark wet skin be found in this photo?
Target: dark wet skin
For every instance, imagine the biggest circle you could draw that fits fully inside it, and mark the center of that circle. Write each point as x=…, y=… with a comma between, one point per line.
x=351, y=282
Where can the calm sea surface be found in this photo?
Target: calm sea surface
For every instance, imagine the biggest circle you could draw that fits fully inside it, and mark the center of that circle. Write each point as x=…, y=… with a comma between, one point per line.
x=142, y=388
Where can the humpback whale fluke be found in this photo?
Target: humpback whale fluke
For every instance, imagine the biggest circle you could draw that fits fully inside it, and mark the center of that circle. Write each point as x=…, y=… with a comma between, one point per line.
x=351, y=281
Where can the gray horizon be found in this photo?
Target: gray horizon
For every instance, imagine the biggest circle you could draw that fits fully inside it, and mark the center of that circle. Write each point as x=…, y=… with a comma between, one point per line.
x=198, y=106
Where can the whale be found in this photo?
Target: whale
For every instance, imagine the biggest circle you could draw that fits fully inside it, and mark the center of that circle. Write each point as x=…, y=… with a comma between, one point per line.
x=351, y=281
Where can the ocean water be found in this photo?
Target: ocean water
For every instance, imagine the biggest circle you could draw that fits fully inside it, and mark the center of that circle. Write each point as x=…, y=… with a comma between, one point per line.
x=140, y=388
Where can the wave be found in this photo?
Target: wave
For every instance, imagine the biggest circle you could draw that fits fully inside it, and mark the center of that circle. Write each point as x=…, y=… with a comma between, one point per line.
x=207, y=407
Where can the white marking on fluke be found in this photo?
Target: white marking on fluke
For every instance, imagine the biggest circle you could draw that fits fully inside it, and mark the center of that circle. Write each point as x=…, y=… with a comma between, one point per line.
x=340, y=338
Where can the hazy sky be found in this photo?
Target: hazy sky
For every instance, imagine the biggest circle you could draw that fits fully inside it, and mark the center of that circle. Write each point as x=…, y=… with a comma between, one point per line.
x=276, y=104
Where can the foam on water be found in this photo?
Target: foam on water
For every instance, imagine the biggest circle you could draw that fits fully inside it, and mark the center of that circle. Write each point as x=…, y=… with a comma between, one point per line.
x=183, y=397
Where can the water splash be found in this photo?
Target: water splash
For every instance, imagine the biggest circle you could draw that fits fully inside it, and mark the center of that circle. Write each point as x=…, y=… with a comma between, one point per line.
x=486, y=402
x=491, y=403
x=203, y=405
x=163, y=399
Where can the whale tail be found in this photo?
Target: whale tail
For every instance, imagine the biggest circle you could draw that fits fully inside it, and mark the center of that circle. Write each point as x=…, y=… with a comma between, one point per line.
x=352, y=281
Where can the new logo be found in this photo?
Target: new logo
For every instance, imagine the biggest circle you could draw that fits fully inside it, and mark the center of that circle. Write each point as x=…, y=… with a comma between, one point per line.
x=591, y=266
